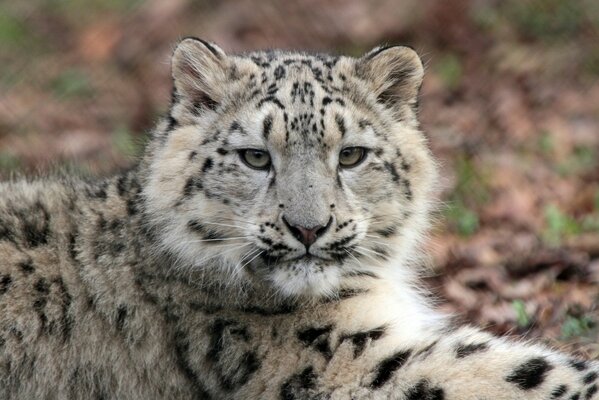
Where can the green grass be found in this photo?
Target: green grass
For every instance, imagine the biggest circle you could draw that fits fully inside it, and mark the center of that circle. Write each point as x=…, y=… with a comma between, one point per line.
x=546, y=143
x=8, y=162
x=449, y=68
x=522, y=318
x=577, y=326
x=582, y=159
x=72, y=83
x=126, y=143
x=463, y=220
x=558, y=226
x=470, y=193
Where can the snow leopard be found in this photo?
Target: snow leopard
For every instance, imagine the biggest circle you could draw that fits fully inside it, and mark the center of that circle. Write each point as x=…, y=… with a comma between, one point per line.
x=267, y=245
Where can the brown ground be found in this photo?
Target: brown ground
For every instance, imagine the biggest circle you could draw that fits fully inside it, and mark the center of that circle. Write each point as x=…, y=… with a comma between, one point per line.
x=510, y=103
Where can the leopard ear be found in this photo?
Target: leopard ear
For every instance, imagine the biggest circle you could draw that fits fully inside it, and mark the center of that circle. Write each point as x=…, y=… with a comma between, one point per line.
x=199, y=72
x=395, y=73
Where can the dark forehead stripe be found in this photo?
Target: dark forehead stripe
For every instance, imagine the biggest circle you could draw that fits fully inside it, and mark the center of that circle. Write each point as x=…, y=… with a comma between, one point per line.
x=267, y=126
x=340, y=124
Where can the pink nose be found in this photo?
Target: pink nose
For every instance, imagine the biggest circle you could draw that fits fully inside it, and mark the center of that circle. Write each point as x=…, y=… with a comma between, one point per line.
x=307, y=235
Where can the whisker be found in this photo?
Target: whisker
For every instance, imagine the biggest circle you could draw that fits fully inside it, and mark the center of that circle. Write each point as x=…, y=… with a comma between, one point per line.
x=378, y=242
x=220, y=239
x=378, y=253
x=376, y=217
x=252, y=259
x=230, y=226
x=237, y=220
x=233, y=248
x=352, y=256
x=365, y=254
x=245, y=256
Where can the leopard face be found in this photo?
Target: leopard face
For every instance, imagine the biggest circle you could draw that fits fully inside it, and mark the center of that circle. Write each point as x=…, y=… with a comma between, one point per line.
x=297, y=170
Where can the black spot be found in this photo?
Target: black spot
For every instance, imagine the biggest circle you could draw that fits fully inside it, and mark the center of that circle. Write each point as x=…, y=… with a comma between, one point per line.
x=235, y=126
x=425, y=352
x=192, y=185
x=171, y=123
x=360, y=339
x=6, y=233
x=318, y=338
x=301, y=386
x=559, y=391
x=266, y=127
x=388, y=366
x=181, y=353
x=579, y=365
x=121, y=314
x=364, y=124
x=121, y=185
x=231, y=377
x=98, y=191
x=391, y=168
x=241, y=373
x=279, y=72
x=281, y=310
x=42, y=286
x=530, y=374
x=590, y=391
x=464, y=350
x=575, y=396
x=423, y=391
x=208, y=164
x=38, y=306
x=5, y=282
x=192, y=155
x=271, y=99
x=203, y=102
x=387, y=231
x=36, y=225
x=221, y=151
x=589, y=378
x=215, y=346
x=27, y=266
x=66, y=299
x=326, y=100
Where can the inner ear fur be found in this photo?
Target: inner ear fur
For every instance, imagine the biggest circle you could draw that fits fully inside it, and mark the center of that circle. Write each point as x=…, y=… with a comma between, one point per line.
x=395, y=73
x=199, y=72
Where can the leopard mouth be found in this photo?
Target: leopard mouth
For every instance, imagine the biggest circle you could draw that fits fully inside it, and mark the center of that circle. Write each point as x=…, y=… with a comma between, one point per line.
x=306, y=259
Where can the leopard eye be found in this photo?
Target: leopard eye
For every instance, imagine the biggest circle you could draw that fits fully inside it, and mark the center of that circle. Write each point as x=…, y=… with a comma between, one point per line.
x=254, y=158
x=350, y=157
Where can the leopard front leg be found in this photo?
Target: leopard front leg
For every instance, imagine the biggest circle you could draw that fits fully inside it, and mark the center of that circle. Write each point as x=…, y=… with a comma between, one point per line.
x=459, y=365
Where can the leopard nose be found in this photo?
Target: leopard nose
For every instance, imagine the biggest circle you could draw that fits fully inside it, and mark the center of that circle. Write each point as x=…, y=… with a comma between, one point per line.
x=307, y=235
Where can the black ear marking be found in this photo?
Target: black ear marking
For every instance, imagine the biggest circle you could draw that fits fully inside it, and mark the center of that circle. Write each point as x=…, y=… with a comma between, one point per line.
x=208, y=45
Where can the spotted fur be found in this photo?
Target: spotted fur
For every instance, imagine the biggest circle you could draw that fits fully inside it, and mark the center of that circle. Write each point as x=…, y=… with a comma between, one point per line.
x=188, y=277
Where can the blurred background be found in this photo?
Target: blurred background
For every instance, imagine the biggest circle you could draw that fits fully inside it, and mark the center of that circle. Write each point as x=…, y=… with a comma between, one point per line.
x=510, y=104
